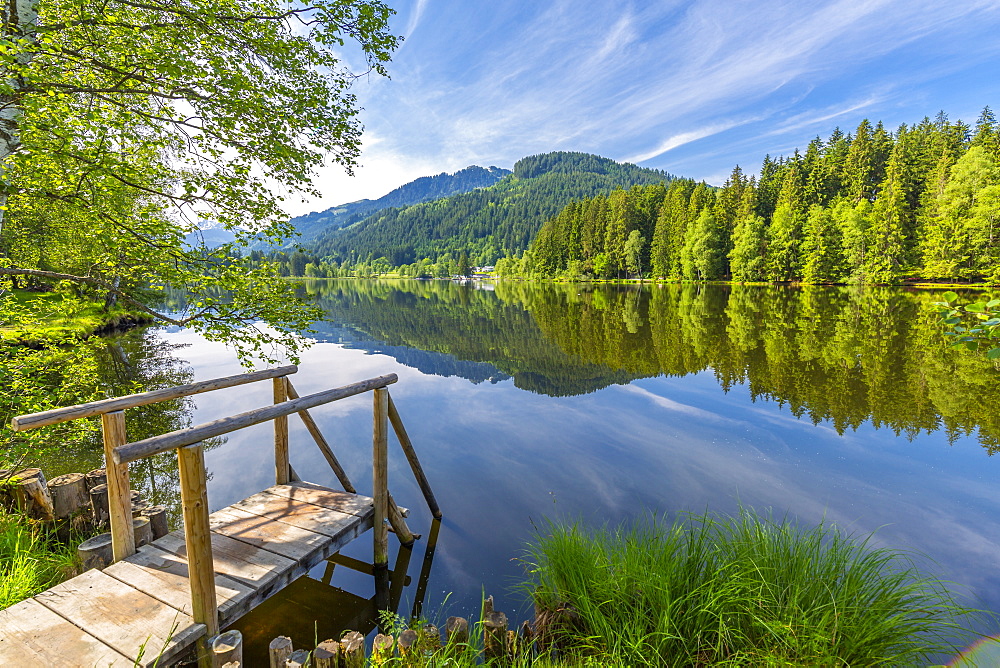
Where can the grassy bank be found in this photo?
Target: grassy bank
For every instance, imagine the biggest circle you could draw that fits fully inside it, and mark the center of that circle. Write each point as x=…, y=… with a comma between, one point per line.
x=31, y=560
x=735, y=591
x=52, y=316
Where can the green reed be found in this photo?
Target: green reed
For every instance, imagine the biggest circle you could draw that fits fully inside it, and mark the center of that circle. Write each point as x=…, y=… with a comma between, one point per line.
x=31, y=560
x=743, y=590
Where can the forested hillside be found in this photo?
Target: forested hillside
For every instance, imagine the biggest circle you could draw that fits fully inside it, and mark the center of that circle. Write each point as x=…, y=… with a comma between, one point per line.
x=872, y=206
x=424, y=189
x=485, y=223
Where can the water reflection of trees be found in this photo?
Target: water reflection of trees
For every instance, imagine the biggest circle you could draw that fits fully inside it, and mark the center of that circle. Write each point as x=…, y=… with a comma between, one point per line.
x=843, y=354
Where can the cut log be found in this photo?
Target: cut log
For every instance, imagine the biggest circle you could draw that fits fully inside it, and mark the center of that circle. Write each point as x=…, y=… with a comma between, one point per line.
x=96, y=552
x=407, y=644
x=142, y=530
x=227, y=648
x=327, y=654
x=99, y=503
x=279, y=650
x=383, y=647
x=494, y=636
x=457, y=631
x=69, y=494
x=352, y=648
x=430, y=638
x=298, y=659
x=32, y=494
x=95, y=478
x=158, y=519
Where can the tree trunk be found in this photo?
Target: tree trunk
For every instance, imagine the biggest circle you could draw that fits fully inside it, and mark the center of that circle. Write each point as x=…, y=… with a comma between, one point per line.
x=18, y=19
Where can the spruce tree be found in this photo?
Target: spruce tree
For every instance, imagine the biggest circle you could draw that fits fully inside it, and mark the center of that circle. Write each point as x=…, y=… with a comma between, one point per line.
x=822, y=248
x=746, y=259
x=785, y=232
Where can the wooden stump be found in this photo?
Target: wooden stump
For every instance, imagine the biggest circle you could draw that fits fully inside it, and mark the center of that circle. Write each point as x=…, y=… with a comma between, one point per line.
x=298, y=659
x=99, y=503
x=158, y=519
x=139, y=508
x=430, y=638
x=457, y=631
x=383, y=647
x=96, y=552
x=142, y=530
x=494, y=635
x=279, y=650
x=227, y=648
x=408, y=648
x=31, y=493
x=327, y=654
x=352, y=648
x=95, y=478
x=69, y=494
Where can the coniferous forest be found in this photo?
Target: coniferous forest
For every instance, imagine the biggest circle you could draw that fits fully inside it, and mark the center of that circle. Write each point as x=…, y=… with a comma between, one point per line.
x=872, y=206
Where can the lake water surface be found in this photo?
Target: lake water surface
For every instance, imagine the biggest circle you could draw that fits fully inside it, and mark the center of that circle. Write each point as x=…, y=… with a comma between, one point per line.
x=606, y=404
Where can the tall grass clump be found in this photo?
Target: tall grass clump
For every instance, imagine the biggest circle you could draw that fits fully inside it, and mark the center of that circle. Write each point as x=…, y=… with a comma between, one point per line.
x=742, y=590
x=30, y=560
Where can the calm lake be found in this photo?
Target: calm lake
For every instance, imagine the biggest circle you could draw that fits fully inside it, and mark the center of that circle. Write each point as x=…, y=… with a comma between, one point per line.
x=606, y=404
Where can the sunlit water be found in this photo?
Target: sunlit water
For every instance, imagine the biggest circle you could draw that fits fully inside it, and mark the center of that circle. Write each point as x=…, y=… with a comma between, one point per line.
x=533, y=402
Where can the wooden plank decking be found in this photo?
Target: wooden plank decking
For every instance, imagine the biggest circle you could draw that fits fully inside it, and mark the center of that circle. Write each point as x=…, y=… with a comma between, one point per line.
x=143, y=603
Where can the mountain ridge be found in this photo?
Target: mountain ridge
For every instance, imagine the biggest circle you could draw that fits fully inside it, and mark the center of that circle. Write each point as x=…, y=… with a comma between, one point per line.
x=485, y=223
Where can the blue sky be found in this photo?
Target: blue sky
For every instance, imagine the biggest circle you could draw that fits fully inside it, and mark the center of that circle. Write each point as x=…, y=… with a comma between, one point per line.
x=690, y=87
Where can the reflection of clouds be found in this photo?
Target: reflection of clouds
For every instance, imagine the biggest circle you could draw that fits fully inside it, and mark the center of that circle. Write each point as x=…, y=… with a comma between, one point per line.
x=500, y=458
x=671, y=405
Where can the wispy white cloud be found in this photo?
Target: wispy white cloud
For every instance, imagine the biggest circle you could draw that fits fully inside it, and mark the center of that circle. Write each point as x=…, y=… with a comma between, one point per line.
x=652, y=80
x=415, y=15
x=682, y=138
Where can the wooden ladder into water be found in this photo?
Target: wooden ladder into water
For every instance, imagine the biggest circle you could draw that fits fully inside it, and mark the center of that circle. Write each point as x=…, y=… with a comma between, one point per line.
x=156, y=602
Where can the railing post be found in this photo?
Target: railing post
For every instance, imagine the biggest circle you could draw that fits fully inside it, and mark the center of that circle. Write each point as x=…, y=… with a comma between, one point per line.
x=119, y=493
x=198, y=537
x=380, y=475
x=281, y=473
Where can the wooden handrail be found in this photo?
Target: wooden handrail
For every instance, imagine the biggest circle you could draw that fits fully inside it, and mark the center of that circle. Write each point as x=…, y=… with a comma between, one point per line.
x=176, y=439
x=90, y=409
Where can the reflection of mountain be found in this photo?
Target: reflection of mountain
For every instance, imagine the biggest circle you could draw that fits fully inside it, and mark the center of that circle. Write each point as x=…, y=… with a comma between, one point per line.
x=472, y=333
x=439, y=364
x=847, y=355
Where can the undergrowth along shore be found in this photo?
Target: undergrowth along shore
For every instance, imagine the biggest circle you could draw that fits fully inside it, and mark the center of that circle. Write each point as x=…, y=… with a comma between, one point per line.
x=735, y=591
x=32, y=559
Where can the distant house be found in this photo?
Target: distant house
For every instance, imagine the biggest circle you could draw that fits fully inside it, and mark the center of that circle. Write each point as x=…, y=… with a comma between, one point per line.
x=483, y=272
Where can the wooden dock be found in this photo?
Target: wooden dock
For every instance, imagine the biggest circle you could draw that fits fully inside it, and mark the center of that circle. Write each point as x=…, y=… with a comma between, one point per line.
x=149, y=606
x=143, y=603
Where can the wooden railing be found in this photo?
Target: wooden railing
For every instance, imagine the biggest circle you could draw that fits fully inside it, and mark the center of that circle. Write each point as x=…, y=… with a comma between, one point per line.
x=189, y=443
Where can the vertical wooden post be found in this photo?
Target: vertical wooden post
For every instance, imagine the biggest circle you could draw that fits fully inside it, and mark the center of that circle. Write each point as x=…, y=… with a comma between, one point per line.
x=281, y=463
x=119, y=494
x=197, y=535
x=380, y=475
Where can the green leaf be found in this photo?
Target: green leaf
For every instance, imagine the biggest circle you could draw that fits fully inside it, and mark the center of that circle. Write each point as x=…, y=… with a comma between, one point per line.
x=949, y=296
x=993, y=353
